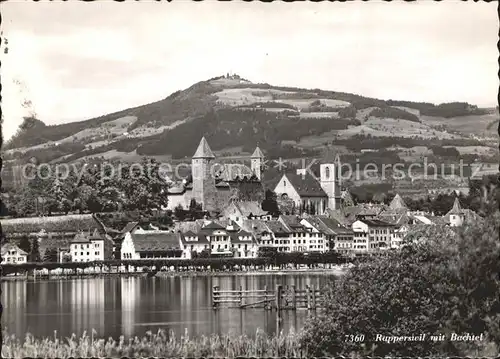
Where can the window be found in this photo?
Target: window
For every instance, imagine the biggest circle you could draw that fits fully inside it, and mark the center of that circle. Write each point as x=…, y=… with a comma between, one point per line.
x=81, y=246
x=284, y=183
x=76, y=253
x=327, y=172
x=88, y=253
x=81, y=253
x=96, y=253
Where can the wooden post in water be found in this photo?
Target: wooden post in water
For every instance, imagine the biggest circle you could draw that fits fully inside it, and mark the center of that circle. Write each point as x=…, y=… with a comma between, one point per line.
x=241, y=297
x=294, y=297
x=308, y=296
x=278, y=297
x=215, y=297
x=266, y=303
x=313, y=298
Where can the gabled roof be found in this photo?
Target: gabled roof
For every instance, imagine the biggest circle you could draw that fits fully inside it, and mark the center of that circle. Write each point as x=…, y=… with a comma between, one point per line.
x=277, y=227
x=376, y=223
x=398, y=203
x=248, y=208
x=12, y=247
x=257, y=153
x=129, y=227
x=332, y=226
x=305, y=185
x=212, y=226
x=86, y=238
x=203, y=150
x=293, y=222
x=156, y=242
x=236, y=240
x=255, y=226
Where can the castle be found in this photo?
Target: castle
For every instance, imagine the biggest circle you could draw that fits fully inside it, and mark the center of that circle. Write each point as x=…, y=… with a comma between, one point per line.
x=214, y=185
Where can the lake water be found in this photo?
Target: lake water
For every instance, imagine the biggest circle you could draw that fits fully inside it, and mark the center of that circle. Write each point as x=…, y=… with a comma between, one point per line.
x=132, y=306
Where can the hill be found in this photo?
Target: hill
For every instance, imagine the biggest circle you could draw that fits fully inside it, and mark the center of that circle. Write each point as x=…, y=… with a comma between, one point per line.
x=236, y=114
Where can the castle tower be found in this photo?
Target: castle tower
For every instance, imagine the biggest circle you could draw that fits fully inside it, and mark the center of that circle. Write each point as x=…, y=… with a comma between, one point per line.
x=456, y=214
x=256, y=162
x=204, y=191
x=330, y=182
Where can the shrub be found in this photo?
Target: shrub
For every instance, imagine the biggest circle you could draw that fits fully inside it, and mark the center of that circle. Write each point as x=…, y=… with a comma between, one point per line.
x=444, y=281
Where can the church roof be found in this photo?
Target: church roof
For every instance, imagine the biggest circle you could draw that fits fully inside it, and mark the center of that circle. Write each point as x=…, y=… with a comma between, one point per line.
x=257, y=153
x=457, y=208
x=306, y=185
x=397, y=203
x=203, y=150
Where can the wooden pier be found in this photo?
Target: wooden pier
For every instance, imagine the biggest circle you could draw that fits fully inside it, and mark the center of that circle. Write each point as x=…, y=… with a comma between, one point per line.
x=282, y=298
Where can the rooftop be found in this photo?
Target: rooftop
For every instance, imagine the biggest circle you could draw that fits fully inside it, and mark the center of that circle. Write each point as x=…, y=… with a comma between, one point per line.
x=306, y=185
x=203, y=150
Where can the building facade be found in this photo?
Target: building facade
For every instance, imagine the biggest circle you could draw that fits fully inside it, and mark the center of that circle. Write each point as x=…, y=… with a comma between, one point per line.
x=12, y=254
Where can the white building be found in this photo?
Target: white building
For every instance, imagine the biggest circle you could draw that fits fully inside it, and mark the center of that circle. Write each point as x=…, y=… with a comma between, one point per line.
x=90, y=248
x=372, y=234
x=193, y=244
x=336, y=236
x=243, y=244
x=12, y=254
x=151, y=245
x=239, y=211
x=309, y=194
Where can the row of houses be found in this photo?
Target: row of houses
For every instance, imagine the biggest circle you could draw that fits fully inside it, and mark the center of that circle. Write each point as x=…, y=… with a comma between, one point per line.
x=240, y=232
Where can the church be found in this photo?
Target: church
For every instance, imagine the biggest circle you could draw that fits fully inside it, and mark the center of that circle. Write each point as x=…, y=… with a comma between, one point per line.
x=214, y=185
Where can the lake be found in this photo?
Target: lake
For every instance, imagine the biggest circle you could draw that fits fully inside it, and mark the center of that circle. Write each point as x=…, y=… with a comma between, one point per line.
x=115, y=306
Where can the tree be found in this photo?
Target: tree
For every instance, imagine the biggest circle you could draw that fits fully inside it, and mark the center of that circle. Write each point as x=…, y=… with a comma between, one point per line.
x=179, y=212
x=51, y=255
x=34, y=254
x=270, y=203
x=25, y=244
x=442, y=281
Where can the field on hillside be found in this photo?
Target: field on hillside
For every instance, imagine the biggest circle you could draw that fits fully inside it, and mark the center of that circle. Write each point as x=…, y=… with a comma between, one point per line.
x=331, y=115
x=476, y=124
x=96, y=136
x=248, y=96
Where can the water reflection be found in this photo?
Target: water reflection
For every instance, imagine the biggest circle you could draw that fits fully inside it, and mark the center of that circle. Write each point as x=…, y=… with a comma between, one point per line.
x=132, y=306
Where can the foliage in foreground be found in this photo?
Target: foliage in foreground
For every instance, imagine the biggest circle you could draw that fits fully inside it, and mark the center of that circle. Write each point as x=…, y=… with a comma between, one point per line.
x=445, y=282
x=160, y=344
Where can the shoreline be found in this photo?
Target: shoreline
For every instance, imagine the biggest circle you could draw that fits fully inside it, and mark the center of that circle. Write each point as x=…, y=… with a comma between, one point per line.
x=335, y=271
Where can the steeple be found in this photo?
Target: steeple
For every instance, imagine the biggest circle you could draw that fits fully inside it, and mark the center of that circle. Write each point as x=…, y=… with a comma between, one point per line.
x=257, y=153
x=256, y=162
x=203, y=150
x=457, y=208
x=397, y=203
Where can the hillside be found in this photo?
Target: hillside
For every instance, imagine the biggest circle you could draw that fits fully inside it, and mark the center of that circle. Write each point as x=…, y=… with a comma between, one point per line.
x=235, y=115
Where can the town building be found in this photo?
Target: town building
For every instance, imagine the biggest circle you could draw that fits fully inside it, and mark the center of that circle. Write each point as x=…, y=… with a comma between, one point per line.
x=243, y=244
x=152, y=245
x=213, y=185
x=239, y=211
x=12, y=254
x=336, y=236
x=90, y=248
x=371, y=235
x=55, y=232
x=309, y=194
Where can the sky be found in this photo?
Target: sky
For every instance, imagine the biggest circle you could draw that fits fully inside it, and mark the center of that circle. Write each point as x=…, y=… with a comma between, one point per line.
x=74, y=60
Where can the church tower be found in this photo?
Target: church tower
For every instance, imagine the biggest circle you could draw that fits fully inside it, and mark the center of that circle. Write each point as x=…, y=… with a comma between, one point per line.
x=330, y=182
x=204, y=191
x=256, y=163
